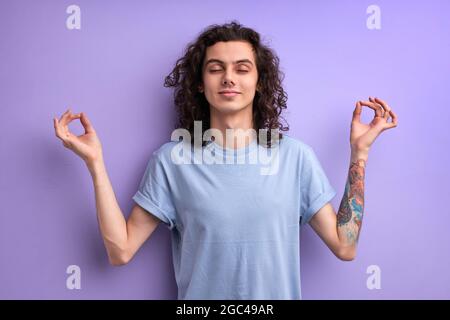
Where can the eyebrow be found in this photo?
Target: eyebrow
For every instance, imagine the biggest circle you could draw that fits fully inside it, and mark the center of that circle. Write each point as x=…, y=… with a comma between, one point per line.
x=221, y=62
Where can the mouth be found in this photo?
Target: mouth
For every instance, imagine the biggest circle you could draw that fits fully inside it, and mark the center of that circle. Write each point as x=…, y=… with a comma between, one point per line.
x=229, y=93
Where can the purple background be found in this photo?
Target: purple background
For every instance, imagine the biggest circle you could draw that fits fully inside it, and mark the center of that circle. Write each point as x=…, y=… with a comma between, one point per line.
x=113, y=69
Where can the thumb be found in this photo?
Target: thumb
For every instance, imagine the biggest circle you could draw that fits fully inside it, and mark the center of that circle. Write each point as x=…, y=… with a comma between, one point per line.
x=357, y=113
x=88, y=128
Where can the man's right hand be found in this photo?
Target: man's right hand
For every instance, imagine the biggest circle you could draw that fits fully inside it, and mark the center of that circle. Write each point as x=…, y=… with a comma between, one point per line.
x=87, y=145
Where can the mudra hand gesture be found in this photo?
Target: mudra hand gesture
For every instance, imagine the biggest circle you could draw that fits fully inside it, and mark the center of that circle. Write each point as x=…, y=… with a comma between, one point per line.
x=363, y=135
x=87, y=145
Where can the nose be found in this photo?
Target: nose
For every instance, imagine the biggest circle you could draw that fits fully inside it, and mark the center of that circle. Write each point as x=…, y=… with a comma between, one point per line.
x=227, y=79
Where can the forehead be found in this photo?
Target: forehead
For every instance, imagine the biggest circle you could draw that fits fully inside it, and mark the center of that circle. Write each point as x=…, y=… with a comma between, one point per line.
x=230, y=51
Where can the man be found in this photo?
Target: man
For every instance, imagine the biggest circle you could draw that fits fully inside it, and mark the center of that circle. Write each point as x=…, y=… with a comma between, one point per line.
x=235, y=232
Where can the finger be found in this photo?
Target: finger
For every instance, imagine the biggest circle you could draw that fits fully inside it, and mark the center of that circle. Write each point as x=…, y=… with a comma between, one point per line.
x=59, y=131
x=357, y=112
x=382, y=102
x=88, y=128
x=57, y=128
x=65, y=118
x=68, y=118
x=378, y=109
x=394, y=122
x=385, y=106
x=75, y=116
x=62, y=116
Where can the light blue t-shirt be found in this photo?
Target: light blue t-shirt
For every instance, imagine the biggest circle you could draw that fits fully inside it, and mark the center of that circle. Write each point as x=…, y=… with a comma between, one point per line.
x=235, y=228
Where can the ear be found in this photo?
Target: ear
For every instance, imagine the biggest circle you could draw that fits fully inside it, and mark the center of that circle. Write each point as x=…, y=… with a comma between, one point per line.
x=200, y=88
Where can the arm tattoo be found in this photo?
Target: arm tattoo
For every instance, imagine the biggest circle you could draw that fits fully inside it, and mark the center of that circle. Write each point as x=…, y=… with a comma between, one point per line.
x=350, y=214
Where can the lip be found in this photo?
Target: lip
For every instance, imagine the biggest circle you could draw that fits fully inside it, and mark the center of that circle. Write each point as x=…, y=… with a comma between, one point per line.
x=229, y=93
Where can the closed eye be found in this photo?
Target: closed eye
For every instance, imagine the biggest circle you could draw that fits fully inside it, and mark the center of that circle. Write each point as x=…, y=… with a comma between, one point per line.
x=243, y=71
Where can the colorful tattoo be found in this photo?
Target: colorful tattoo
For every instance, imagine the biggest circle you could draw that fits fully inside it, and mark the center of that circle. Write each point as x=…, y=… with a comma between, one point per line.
x=350, y=214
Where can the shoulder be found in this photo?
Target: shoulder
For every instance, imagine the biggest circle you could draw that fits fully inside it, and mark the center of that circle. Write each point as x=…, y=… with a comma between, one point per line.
x=163, y=152
x=295, y=144
x=159, y=161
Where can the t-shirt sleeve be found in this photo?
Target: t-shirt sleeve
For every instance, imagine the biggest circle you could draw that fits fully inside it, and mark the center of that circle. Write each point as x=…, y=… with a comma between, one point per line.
x=316, y=190
x=154, y=194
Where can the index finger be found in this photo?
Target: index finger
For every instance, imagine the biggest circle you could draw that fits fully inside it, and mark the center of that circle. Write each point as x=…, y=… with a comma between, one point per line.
x=374, y=106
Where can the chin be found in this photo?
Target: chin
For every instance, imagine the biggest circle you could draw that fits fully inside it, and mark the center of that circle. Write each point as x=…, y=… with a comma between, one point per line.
x=228, y=107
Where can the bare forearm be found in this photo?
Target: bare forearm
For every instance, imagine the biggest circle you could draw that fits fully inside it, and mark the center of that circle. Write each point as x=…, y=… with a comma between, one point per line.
x=351, y=209
x=111, y=221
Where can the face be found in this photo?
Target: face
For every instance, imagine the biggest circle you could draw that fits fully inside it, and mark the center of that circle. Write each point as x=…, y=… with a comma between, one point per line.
x=229, y=67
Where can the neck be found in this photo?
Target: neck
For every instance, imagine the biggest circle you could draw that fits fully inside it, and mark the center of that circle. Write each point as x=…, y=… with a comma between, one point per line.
x=241, y=123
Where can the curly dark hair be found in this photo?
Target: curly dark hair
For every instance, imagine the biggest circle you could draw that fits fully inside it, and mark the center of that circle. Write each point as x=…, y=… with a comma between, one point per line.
x=191, y=105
